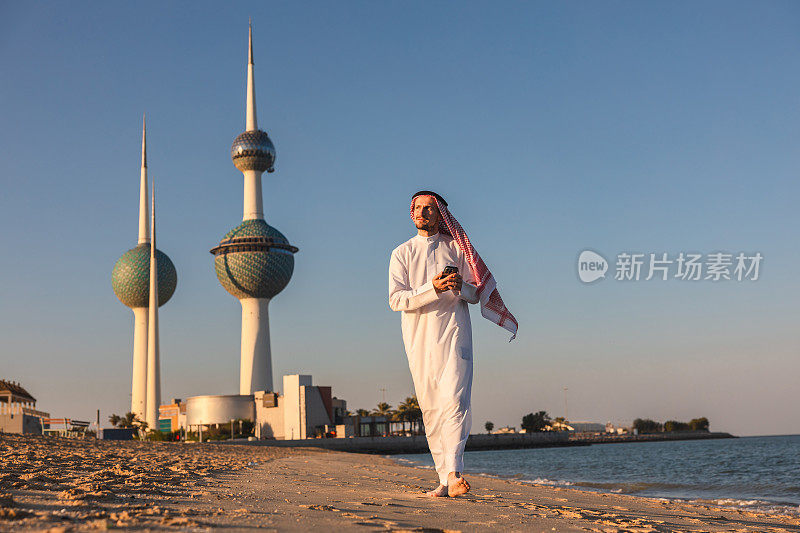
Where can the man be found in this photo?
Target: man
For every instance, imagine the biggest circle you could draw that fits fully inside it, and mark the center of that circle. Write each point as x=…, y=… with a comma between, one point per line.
x=436, y=328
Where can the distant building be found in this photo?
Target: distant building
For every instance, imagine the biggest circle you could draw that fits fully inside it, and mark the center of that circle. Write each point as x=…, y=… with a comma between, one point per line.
x=303, y=411
x=616, y=430
x=506, y=429
x=558, y=425
x=576, y=427
x=172, y=416
x=368, y=426
x=587, y=427
x=18, y=412
x=65, y=427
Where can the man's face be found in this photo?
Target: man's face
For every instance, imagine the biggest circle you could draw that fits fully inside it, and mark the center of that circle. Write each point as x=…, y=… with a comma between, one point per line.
x=426, y=213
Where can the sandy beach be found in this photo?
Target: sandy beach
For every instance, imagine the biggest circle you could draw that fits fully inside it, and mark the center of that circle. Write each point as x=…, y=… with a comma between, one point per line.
x=70, y=485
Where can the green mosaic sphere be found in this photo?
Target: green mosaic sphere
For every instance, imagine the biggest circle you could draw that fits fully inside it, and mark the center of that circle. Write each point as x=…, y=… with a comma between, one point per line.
x=254, y=260
x=131, y=277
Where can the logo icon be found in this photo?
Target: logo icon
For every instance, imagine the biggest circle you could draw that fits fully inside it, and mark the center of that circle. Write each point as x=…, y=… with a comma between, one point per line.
x=591, y=266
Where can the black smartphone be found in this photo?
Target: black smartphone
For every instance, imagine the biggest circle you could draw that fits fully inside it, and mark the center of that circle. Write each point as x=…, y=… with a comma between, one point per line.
x=449, y=270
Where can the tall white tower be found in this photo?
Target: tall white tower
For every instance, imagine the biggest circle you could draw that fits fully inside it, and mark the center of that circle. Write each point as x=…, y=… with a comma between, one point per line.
x=131, y=283
x=254, y=261
x=140, y=327
x=153, y=356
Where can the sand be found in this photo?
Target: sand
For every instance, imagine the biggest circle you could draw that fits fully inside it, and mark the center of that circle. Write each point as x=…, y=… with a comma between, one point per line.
x=66, y=485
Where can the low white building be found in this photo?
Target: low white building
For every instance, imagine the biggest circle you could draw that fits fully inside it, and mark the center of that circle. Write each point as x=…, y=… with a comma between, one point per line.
x=576, y=427
x=303, y=411
x=616, y=430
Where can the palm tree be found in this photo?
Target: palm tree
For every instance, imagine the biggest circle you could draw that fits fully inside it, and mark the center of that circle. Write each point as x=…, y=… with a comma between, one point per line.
x=383, y=409
x=401, y=415
x=362, y=412
x=535, y=422
x=130, y=420
x=409, y=411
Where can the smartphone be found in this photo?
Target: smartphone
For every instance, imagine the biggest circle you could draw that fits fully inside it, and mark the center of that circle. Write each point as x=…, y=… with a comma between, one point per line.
x=450, y=270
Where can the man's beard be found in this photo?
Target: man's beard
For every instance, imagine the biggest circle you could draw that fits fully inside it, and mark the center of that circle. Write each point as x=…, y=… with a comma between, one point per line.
x=425, y=225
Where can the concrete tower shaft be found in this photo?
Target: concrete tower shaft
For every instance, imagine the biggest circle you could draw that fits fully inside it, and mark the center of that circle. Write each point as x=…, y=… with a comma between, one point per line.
x=140, y=314
x=153, y=355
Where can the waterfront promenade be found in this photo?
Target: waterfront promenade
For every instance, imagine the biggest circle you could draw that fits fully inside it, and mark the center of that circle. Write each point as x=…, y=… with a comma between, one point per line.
x=501, y=441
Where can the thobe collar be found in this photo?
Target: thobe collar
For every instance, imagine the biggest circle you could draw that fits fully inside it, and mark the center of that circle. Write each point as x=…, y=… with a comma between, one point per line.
x=429, y=240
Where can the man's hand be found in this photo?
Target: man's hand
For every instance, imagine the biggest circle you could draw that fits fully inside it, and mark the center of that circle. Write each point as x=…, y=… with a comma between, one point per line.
x=444, y=283
x=440, y=283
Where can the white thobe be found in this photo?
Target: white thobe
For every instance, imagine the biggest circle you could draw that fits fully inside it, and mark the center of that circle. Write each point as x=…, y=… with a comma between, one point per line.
x=437, y=334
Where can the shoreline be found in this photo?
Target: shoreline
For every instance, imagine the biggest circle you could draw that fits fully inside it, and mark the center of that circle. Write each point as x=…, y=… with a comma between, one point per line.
x=653, y=437
x=76, y=485
x=732, y=503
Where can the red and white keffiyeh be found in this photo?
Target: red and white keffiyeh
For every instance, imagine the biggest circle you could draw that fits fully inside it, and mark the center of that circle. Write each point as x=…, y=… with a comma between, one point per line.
x=492, y=306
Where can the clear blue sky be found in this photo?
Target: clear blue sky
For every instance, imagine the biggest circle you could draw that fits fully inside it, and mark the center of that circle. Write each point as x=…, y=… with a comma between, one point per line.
x=549, y=127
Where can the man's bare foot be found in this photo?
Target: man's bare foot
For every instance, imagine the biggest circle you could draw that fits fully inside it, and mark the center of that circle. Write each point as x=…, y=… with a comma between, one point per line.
x=456, y=484
x=438, y=492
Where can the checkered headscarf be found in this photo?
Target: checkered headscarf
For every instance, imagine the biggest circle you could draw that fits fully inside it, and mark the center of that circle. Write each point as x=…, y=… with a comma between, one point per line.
x=492, y=306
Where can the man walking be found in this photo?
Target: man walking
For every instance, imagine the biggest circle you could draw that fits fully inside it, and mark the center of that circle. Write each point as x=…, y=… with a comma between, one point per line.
x=437, y=332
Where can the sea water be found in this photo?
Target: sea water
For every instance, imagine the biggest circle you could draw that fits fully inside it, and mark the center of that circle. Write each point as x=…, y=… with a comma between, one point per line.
x=761, y=473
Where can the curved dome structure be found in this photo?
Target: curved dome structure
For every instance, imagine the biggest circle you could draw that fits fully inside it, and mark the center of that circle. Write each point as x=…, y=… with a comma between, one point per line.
x=254, y=260
x=253, y=150
x=131, y=277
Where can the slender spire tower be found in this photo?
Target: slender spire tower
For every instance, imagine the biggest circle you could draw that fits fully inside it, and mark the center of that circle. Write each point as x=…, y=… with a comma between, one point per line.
x=153, y=359
x=144, y=217
x=138, y=389
x=254, y=261
x=131, y=283
x=253, y=200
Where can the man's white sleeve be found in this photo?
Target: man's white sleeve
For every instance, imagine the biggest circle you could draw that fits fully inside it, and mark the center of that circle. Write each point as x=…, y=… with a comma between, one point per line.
x=401, y=296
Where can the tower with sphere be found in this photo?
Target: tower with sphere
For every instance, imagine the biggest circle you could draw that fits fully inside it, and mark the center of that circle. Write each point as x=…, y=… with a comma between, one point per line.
x=254, y=261
x=132, y=283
